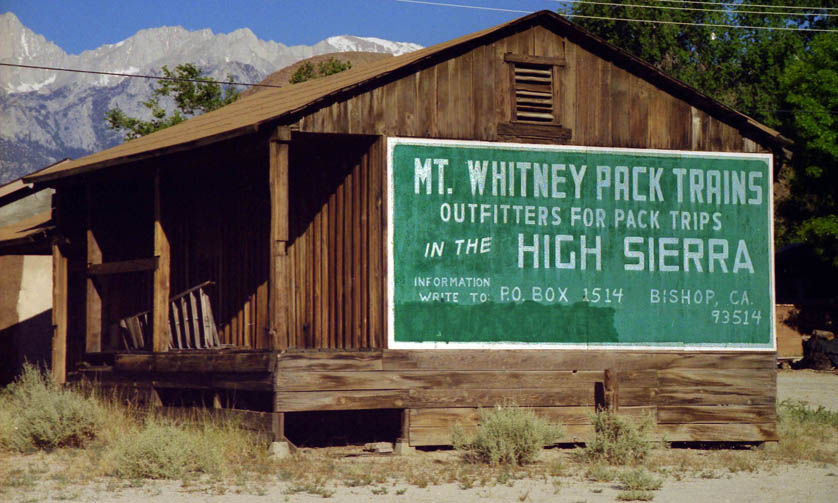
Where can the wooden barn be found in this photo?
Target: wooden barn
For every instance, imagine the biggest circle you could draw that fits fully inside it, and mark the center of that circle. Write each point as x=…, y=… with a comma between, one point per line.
x=242, y=258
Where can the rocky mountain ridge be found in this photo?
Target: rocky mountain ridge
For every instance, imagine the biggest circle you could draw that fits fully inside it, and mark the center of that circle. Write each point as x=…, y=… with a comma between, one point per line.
x=48, y=115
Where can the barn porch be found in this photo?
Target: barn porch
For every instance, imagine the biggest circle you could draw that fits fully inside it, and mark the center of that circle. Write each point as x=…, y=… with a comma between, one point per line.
x=175, y=253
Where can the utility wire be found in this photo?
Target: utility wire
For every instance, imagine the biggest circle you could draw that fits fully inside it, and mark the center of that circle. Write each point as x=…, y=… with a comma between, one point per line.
x=177, y=79
x=630, y=20
x=696, y=9
x=713, y=25
x=478, y=7
x=133, y=75
x=749, y=5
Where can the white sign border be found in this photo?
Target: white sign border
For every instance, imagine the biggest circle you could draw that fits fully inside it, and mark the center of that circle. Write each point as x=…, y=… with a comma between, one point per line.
x=393, y=141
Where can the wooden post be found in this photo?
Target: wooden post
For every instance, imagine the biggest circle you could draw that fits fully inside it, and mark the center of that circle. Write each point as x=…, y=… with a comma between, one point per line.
x=405, y=434
x=278, y=324
x=278, y=426
x=612, y=397
x=160, y=302
x=402, y=446
x=93, y=309
x=59, y=311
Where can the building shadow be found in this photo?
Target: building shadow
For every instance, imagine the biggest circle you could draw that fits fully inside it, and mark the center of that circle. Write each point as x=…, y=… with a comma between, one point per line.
x=27, y=341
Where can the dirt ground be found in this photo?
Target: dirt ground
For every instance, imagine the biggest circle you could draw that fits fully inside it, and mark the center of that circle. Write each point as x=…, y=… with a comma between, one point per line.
x=815, y=388
x=772, y=482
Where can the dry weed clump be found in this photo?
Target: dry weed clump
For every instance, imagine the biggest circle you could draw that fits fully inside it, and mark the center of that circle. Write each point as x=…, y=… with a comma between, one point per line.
x=35, y=414
x=158, y=448
x=618, y=440
x=639, y=480
x=163, y=451
x=506, y=434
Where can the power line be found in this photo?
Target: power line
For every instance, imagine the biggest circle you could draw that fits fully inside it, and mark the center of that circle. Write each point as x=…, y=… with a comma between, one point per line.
x=134, y=75
x=629, y=20
x=744, y=5
x=713, y=25
x=696, y=9
x=478, y=7
x=178, y=79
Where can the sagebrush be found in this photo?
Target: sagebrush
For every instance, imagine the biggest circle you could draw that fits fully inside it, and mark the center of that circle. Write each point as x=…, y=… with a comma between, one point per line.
x=163, y=451
x=618, y=440
x=35, y=413
x=506, y=434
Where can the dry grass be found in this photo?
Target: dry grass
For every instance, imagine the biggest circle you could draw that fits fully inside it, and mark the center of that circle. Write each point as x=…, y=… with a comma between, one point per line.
x=219, y=457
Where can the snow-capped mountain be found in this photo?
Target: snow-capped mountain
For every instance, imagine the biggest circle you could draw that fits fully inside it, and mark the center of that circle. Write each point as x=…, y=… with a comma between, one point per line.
x=47, y=115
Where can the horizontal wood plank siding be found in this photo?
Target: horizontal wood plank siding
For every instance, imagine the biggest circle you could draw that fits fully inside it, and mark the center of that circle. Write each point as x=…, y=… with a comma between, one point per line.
x=714, y=396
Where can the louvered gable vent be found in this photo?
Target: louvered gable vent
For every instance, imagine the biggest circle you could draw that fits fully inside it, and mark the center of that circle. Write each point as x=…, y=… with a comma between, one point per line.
x=534, y=92
x=535, y=87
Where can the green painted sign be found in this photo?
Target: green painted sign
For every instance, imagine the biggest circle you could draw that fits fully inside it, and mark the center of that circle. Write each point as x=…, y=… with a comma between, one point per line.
x=510, y=245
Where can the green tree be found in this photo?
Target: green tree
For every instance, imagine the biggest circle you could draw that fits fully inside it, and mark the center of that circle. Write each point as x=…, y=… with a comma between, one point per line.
x=685, y=51
x=773, y=75
x=737, y=66
x=192, y=93
x=306, y=70
x=810, y=87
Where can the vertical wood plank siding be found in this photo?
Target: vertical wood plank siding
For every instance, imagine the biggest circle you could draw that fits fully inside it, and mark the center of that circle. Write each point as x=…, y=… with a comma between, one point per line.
x=336, y=245
x=467, y=96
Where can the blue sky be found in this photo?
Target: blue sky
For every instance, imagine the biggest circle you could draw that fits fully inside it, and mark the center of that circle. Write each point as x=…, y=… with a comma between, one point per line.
x=79, y=25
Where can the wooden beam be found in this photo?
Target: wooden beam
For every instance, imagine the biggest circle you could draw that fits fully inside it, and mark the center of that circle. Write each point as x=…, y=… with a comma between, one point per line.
x=278, y=320
x=123, y=266
x=59, y=314
x=523, y=359
x=93, y=299
x=339, y=400
x=291, y=380
x=195, y=361
x=160, y=302
x=537, y=60
x=329, y=361
x=534, y=131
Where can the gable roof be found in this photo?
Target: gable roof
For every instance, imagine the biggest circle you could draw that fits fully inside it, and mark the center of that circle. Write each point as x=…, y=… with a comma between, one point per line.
x=31, y=231
x=275, y=106
x=25, y=217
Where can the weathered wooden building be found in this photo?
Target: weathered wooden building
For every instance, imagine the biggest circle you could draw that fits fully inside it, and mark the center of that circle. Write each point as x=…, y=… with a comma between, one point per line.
x=276, y=206
x=25, y=278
